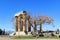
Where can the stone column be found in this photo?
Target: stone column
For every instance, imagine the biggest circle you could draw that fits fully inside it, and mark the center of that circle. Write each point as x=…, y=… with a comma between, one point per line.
x=19, y=23
x=29, y=28
x=15, y=23
x=14, y=27
x=29, y=23
x=24, y=23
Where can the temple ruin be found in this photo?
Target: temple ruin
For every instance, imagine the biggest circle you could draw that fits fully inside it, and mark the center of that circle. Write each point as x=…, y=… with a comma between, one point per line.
x=21, y=23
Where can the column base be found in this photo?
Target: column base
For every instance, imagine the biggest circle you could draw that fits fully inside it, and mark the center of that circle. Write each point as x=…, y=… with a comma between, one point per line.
x=21, y=33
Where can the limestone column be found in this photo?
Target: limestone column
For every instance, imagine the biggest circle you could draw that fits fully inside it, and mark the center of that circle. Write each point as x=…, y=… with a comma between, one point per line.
x=24, y=23
x=29, y=24
x=29, y=28
x=19, y=23
x=15, y=23
x=14, y=27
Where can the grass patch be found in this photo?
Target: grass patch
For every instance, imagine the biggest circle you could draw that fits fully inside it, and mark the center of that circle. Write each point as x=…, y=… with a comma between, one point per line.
x=31, y=37
x=22, y=37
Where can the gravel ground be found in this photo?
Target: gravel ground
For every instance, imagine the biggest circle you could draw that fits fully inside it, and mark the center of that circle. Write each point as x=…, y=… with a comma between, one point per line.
x=7, y=38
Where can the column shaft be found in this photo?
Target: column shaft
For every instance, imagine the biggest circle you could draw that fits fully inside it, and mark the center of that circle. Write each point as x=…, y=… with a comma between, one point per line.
x=19, y=24
x=15, y=24
x=24, y=23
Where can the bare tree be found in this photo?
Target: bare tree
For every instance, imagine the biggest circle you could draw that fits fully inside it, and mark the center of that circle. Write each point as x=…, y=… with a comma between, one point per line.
x=43, y=19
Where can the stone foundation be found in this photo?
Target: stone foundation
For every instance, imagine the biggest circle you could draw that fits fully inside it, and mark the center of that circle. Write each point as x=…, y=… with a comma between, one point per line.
x=20, y=34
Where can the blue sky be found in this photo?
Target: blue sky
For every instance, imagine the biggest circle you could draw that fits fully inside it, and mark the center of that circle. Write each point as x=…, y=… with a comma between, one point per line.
x=46, y=7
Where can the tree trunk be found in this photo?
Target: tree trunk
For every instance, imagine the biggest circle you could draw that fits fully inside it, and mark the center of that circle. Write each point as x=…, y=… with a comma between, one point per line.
x=40, y=27
x=35, y=27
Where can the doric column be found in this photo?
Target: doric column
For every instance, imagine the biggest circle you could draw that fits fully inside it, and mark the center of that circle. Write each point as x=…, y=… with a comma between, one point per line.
x=24, y=23
x=15, y=23
x=19, y=23
x=29, y=26
x=21, y=27
x=14, y=26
